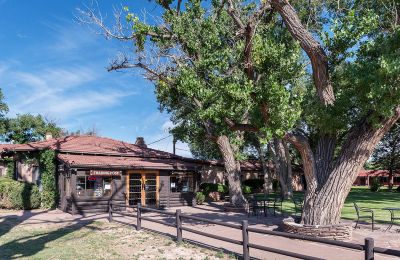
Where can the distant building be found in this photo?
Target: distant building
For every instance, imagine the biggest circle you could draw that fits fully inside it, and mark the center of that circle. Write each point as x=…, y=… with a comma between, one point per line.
x=364, y=177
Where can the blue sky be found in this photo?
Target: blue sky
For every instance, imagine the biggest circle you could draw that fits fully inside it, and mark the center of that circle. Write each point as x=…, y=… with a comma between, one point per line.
x=54, y=66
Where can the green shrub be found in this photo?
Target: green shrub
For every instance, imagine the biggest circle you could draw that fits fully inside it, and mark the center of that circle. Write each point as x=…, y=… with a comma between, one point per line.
x=207, y=188
x=18, y=195
x=375, y=185
x=246, y=189
x=10, y=168
x=254, y=184
x=47, y=164
x=200, y=198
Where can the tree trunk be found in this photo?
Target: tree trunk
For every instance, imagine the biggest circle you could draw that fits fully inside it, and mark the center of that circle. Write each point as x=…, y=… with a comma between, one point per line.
x=283, y=167
x=325, y=196
x=232, y=171
x=266, y=171
x=390, y=180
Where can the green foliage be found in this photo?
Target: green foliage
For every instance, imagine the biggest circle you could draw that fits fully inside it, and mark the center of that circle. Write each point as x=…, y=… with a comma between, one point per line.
x=29, y=128
x=10, y=168
x=387, y=154
x=18, y=195
x=3, y=112
x=362, y=42
x=247, y=189
x=47, y=165
x=203, y=73
x=254, y=184
x=200, y=198
x=375, y=184
x=207, y=188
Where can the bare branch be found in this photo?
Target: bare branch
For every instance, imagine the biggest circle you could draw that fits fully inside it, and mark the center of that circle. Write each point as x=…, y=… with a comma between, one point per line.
x=234, y=14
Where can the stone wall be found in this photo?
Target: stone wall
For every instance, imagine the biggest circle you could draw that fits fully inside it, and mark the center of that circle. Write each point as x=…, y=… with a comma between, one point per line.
x=335, y=232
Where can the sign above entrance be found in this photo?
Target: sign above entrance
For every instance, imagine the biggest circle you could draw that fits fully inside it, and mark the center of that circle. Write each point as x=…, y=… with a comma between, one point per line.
x=105, y=173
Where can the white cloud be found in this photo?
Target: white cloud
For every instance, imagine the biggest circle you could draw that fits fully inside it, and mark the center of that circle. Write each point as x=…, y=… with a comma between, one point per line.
x=58, y=92
x=70, y=36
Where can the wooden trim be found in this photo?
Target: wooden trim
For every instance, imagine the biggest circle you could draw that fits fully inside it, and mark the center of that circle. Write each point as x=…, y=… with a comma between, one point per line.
x=127, y=189
x=158, y=188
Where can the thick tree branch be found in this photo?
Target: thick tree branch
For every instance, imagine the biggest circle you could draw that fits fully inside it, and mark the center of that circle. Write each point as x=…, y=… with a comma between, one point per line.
x=312, y=47
x=302, y=145
x=363, y=138
x=241, y=127
x=235, y=16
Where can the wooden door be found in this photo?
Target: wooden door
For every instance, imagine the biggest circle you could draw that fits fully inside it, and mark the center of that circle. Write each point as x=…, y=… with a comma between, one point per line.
x=143, y=187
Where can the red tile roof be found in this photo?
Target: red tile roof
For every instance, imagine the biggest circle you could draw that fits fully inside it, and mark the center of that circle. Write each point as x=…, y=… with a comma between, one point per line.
x=89, y=145
x=101, y=151
x=376, y=173
x=75, y=160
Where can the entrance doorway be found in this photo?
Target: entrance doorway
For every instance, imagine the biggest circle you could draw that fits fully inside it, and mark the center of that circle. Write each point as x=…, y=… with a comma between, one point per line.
x=143, y=188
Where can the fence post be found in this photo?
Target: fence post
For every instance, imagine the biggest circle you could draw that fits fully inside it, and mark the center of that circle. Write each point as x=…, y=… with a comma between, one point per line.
x=178, y=226
x=369, y=248
x=139, y=218
x=245, y=236
x=110, y=212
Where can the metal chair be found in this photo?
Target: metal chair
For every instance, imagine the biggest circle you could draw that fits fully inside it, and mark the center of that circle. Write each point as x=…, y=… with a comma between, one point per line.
x=278, y=203
x=253, y=207
x=360, y=210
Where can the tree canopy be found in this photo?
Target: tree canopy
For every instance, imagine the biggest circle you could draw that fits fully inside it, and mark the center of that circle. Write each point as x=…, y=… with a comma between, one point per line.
x=27, y=128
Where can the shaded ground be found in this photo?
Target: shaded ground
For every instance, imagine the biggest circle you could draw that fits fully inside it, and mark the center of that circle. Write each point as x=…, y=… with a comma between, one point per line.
x=56, y=235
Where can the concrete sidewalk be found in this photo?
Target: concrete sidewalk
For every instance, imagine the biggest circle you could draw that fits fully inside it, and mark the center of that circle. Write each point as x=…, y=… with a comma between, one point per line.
x=214, y=212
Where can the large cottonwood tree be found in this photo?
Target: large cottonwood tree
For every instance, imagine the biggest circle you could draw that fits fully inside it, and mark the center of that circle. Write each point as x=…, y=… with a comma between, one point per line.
x=355, y=99
x=211, y=73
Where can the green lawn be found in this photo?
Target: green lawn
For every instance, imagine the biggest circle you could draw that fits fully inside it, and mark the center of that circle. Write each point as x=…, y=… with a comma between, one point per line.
x=373, y=200
x=364, y=198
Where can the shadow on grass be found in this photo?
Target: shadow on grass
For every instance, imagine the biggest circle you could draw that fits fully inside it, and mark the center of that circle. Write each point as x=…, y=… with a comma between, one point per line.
x=30, y=245
x=10, y=221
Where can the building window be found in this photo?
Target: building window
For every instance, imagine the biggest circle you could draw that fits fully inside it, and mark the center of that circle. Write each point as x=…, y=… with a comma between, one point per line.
x=181, y=182
x=94, y=186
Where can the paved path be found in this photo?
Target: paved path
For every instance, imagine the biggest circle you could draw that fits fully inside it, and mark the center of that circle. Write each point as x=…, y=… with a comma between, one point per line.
x=389, y=239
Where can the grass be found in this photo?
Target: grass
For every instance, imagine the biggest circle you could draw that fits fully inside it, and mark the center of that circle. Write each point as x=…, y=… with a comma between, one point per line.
x=373, y=200
x=364, y=198
x=92, y=240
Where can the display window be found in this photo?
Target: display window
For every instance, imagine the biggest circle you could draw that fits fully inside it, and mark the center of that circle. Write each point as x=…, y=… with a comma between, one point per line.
x=94, y=186
x=181, y=182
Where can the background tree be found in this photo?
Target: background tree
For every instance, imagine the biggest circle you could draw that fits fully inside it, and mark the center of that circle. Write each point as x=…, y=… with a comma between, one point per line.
x=386, y=155
x=3, y=112
x=29, y=128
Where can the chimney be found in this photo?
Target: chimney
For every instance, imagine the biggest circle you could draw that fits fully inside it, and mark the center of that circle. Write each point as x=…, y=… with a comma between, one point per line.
x=48, y=136
x=140, y=142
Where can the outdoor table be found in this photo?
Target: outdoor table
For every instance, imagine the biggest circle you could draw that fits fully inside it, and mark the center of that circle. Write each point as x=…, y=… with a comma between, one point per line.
x=392, y=216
